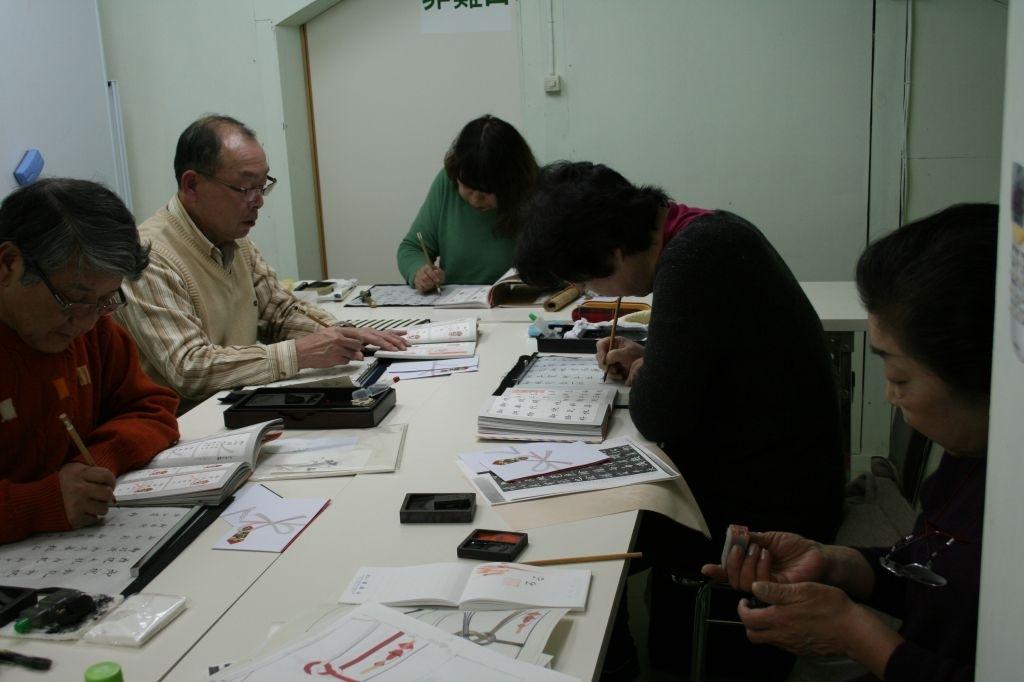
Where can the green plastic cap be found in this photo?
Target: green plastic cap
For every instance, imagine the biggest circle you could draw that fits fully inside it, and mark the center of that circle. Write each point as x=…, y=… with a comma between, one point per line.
x=22, y=625
x=107, y=671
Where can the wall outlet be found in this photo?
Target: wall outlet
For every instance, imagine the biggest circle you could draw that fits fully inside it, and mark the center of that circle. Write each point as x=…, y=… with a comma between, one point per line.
x=553, y=83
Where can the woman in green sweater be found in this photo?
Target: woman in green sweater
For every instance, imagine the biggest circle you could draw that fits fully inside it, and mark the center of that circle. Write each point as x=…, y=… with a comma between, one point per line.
x=467, y=217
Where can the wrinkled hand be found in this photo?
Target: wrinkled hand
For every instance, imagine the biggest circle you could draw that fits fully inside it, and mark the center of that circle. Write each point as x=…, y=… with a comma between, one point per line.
x=87, y=491
x=382, y=339
x=328, y=347
x=621, y=361
x=775, y=557
x=428, y=278
x=804, y=618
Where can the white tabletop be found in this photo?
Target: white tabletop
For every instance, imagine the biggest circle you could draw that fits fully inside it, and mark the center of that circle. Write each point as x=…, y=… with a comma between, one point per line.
x=836, y=303
x=361, y=526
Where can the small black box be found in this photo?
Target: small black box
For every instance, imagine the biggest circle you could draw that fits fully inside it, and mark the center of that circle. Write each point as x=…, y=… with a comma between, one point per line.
x=438, y=508
x=309, y=408
x=492, y=545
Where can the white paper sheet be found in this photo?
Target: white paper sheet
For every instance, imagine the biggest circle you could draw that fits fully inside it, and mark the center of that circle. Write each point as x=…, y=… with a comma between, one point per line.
x=515, y=462
x=378, y=643
x=629, y=463
x=425, y=351
x=431, y=368
x=97, y=559
x=264, y=522
x=337, y=452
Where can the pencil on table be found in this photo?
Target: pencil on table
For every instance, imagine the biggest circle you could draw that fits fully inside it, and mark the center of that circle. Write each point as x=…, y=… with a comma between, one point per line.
x=611, y=337
x=585, y=559
x=426, y=255
x=77, y=440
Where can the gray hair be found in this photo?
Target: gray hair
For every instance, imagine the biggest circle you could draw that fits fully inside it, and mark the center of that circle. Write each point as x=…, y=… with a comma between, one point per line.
x=56, y=221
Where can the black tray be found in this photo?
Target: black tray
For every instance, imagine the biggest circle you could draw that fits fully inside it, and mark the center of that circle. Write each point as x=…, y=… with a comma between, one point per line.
x=309, y=408
x=588, y=344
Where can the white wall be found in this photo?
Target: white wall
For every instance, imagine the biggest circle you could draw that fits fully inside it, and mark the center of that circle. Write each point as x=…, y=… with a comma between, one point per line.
x=176, y=61
x=761, y=108
x=388, y=100
x=956, y=107
x=1001, y=617
x=54, y=90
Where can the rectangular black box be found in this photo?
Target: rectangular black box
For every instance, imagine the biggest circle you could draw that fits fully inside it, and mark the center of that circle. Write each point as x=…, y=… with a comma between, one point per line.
x=492, y=545
x=309, y=408
x=438, y=508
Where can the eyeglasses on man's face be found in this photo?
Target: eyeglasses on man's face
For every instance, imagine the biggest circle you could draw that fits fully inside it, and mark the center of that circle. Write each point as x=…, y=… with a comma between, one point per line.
x=110, y=305
x=249, y=193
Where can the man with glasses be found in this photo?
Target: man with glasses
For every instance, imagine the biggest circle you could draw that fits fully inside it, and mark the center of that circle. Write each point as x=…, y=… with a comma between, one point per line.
x=209, y=313
x=66, y=246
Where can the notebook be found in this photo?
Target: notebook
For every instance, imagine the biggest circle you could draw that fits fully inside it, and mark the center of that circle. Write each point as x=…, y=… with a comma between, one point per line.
x=205, y=471
x=481, y=587
x=541, y=413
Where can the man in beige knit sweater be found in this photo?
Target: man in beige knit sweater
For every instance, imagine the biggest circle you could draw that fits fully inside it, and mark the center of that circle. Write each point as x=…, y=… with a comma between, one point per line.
x=209, y=313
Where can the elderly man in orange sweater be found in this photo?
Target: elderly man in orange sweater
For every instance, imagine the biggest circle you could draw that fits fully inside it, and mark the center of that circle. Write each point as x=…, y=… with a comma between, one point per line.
x=65, y=248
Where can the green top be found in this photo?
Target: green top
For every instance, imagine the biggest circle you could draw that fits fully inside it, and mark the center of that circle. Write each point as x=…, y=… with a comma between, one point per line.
x=470, y=253
x=107, y=671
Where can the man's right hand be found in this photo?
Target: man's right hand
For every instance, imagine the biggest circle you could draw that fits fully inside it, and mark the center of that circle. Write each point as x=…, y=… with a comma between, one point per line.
x=327, y=347
x=87, y=492
x=428, y=278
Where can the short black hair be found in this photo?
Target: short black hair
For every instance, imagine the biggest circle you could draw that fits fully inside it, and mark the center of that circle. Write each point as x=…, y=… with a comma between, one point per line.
x=931, y=284
x=57, y=221
x=199, y=145
x=578, y=215
x=489, y=155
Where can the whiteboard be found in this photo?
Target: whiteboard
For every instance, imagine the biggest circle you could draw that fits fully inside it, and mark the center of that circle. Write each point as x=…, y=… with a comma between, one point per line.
x=54, y=89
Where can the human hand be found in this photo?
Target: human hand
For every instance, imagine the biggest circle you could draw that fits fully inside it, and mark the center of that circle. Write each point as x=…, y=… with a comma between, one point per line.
x=634, y=370
x=428, y=278
x=619, y=361
x=87, y=492
x=803, y=618
x=386, y=340
x=775, y=557
x=328, y=347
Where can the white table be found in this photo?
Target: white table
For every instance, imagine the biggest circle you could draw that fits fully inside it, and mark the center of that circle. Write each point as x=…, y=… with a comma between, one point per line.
x=234, y=597
x=361, y=526
x=836, y=303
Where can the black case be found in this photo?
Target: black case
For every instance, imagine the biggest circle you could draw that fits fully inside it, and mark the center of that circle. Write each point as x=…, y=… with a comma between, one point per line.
x=585, y=345
x=332, y=410
x=437, y=508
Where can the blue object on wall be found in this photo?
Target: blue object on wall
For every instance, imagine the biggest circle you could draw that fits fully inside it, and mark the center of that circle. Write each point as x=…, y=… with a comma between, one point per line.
x=30, y=167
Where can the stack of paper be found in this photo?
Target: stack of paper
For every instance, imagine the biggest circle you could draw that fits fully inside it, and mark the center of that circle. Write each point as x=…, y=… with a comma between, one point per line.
x=557, y=414
x=627, y=463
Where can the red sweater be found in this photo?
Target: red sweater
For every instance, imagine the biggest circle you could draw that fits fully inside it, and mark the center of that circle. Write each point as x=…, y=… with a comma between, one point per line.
x=123, y=417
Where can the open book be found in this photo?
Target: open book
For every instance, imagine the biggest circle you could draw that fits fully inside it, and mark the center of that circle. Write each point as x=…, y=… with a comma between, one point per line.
x=508, y=291
x=203, y=471
x=437, y=340
x=548, y=413
x=481, y=587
